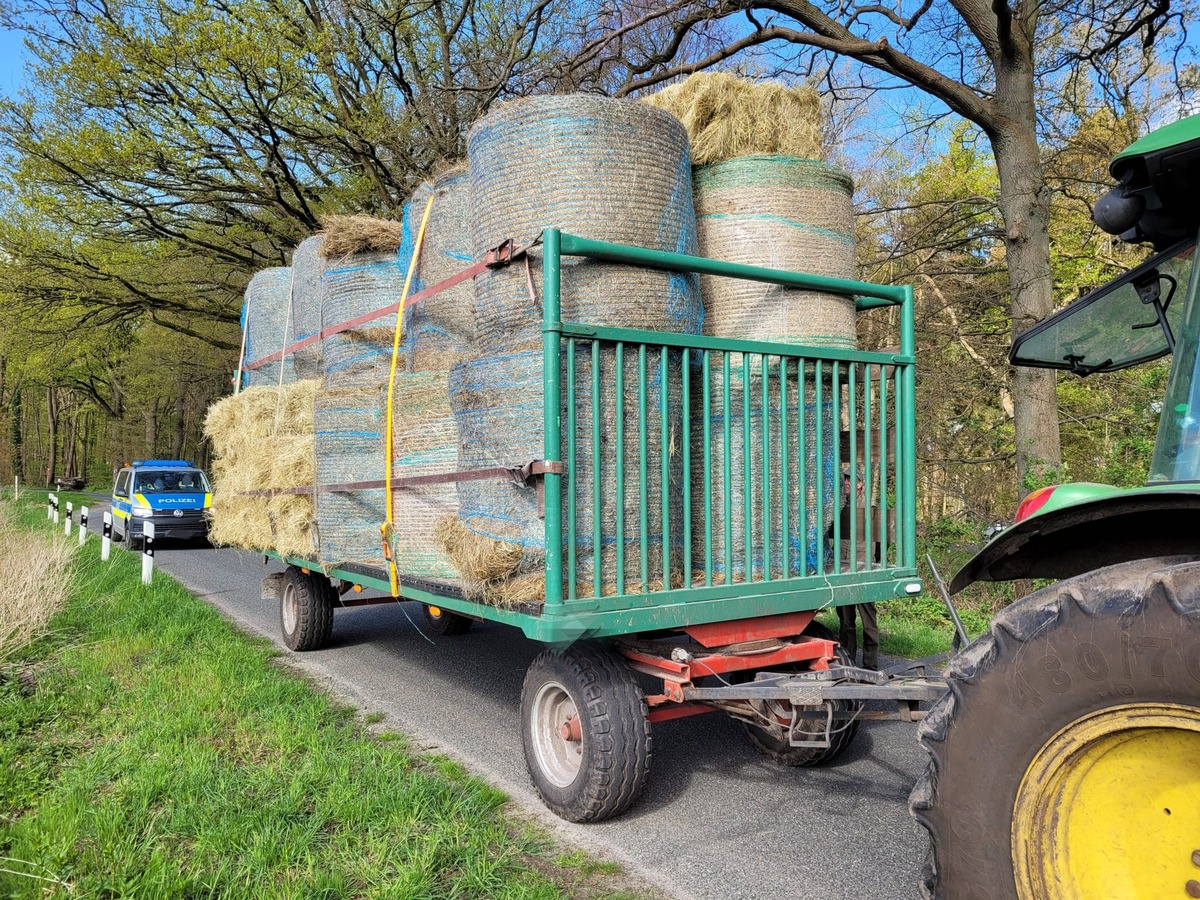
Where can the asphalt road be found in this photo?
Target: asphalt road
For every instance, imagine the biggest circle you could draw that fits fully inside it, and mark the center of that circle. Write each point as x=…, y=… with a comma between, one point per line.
x=717, y=820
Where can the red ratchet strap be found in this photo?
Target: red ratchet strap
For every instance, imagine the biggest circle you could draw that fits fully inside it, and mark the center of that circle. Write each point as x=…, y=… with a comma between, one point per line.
x=496, y=258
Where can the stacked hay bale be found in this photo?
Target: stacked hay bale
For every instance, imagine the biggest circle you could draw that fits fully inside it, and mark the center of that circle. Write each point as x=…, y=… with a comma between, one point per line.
x=263, y=441
x=603, y=169
x=365, y=270
x=308, y=294
x=265, y=326
x=764, y=198
x=439, y=332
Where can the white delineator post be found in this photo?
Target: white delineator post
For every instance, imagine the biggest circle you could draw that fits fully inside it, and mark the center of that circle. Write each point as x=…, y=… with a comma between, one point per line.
x=17, y=487
x=67, y=522
x=83, y=514
x=147, y=552
x=52, y=508
x=106, y=537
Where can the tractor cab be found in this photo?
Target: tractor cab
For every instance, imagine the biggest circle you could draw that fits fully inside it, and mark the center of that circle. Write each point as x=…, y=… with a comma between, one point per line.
x=1149, y=312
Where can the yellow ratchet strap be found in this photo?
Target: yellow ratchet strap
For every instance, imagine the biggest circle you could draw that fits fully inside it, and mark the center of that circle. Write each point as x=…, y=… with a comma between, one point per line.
x=388, y=526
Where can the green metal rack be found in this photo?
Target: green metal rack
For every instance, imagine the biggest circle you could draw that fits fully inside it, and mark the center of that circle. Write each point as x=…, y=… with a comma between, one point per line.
x=869, y=557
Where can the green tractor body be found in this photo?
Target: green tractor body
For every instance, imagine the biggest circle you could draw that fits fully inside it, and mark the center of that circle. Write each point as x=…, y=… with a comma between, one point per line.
x=1065, y=759
x=1145, y=314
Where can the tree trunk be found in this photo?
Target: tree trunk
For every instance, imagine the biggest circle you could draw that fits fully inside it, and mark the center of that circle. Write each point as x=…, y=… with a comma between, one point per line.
x=52, y=413
x=1025, y=204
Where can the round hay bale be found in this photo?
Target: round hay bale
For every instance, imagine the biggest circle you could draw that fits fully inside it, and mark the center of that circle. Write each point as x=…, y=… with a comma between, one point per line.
x=497, y=402
x=424, y=442
x=727, y=116
x=737, y=557
x=349, y=448
x=354, y=285
x=264, y=323
x=600, y=168
x=440, y=331
x=263, y=440
x=308, y=297
x=785, y=213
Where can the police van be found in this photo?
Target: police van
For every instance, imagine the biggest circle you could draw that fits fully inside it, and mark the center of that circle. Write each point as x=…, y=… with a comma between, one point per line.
x=171, y=493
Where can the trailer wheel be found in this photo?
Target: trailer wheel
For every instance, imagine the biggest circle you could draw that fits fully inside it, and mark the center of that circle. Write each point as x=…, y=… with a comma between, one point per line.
x=306, y=609
x=842, y=731
x=1064, y=758
x=443, y=622
x=585, y=731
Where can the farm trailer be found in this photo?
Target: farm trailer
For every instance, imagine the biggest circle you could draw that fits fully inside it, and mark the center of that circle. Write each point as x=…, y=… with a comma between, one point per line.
x=727, y=623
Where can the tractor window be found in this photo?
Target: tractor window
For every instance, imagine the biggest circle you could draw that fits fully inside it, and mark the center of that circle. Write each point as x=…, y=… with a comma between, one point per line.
x=1116, y=326
x=1177, y=449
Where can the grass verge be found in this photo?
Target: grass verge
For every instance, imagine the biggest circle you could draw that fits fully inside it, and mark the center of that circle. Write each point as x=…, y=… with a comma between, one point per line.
x=147, y=749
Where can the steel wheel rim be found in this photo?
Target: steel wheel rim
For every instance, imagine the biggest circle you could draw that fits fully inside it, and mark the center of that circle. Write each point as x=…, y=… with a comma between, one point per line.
x=559, y=759
x=1109, y=802
x=290, y=609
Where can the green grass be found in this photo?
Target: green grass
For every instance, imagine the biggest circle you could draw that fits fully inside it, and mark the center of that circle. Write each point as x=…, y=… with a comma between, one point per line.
x=917, y=627
x=147, y=749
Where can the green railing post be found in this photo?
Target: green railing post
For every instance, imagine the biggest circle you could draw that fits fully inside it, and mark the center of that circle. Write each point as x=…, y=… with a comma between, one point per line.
x=552, y=406
x=907, y=501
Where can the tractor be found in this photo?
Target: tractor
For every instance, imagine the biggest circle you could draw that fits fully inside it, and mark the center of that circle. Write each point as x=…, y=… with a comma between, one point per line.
x=1065, y=757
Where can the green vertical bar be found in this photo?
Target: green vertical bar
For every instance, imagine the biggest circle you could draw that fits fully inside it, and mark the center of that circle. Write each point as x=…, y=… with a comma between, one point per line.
x=765, y=375
x=819, y=473
x=706, y=374
x=906, y=483
x=747, y=470
x=839, y=501
x=685, y=381
x=620, y=466
x=727, y=472
x=665, y=450
x=597, y=537
x=572, y=427
x=552, y=392
x=785, y=532
x=885, y=468
x=643, y=489
x=868, y=471
x=802, y=453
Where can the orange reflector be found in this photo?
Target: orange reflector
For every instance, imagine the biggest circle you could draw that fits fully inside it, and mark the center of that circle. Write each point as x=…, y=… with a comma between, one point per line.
x=435, y=611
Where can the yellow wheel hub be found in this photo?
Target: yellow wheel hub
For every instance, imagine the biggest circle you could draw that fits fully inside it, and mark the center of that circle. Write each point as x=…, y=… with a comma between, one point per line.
x=1110, y=807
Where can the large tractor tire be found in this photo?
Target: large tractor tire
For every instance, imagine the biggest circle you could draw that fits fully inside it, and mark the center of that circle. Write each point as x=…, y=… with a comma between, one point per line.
x=1065, y=759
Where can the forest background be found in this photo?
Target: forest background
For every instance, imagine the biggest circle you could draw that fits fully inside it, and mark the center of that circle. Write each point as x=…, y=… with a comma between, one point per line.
x=154, y=154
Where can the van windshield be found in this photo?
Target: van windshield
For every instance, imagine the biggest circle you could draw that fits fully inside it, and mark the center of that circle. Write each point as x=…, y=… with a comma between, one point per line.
x=157, y=482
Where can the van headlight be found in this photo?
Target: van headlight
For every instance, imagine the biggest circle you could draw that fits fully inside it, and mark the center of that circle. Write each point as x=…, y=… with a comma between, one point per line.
x=142, y=512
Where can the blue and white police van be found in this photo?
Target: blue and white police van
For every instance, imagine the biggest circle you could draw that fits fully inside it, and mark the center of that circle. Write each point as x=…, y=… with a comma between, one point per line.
x=172, y=493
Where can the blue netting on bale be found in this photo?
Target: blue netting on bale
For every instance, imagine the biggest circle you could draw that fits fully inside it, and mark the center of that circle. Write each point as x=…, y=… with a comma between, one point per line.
x=601, y=168
x=355, y=285
x=786, y=213
x=308, y=296
x=349, y=448
x=265, y=326
x=736, y=556
x=497, y=402
x=424, y=442
x=440, y=331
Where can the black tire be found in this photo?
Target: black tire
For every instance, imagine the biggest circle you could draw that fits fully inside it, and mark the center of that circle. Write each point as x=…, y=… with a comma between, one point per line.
x=442, y=621
x=604, y=772
x=1092, y=647
x=842, y=731
x=306, y=609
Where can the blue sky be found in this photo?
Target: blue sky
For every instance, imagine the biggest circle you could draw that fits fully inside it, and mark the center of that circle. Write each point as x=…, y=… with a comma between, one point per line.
x=12, y=54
